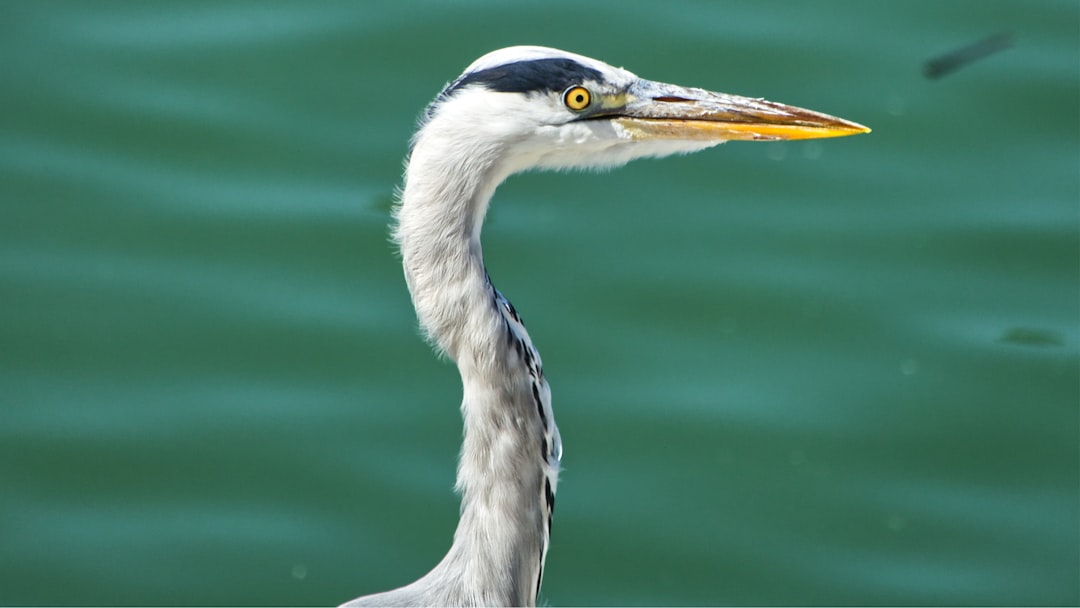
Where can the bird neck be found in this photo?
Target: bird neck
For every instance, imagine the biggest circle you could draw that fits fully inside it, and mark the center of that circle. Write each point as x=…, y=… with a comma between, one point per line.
x=438, y=230
x=509, y=458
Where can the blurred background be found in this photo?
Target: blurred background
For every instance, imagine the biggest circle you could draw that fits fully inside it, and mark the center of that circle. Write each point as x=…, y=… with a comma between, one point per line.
x=826, y=372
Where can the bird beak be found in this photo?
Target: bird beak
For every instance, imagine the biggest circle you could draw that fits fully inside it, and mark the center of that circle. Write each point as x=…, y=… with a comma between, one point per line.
x=653, y=110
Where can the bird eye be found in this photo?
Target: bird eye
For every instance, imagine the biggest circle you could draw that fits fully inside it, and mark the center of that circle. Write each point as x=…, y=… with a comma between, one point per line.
x=577, y=98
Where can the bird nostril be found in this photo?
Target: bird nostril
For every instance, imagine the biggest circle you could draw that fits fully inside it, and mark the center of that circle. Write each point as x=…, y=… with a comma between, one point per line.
x=672, y=99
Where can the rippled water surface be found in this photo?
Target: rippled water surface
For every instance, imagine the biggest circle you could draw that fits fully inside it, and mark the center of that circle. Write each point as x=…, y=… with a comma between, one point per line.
x=833, y=372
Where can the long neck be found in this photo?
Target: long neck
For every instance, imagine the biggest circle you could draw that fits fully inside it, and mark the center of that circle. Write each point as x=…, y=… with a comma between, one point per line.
x=509, y=457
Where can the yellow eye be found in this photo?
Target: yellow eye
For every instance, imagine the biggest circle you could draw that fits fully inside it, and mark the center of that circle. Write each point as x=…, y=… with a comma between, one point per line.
x=577, y=98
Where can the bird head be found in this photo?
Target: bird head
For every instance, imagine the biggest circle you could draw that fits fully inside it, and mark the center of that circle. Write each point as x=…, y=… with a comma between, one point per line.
x=536, y=107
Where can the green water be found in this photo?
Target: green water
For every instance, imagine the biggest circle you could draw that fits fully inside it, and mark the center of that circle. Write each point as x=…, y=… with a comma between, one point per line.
x=835, y=372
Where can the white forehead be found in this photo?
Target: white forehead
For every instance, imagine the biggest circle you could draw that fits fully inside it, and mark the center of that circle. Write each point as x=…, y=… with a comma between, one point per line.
x=515, y=54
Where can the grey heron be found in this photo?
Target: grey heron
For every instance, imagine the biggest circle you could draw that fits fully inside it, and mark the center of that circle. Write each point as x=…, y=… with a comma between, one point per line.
x=515, y=109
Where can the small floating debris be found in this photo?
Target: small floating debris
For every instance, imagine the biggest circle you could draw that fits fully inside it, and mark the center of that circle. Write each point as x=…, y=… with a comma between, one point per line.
x=1027, y=336
x=943, y=65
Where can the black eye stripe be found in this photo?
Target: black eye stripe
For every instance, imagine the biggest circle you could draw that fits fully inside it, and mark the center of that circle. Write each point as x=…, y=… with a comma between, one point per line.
x=538, y=75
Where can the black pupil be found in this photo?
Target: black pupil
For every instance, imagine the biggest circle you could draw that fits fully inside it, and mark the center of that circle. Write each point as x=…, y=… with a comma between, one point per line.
x=580, y=98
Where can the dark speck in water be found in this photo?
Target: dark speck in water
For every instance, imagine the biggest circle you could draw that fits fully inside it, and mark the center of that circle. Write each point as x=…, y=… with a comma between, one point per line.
x=1027, y=336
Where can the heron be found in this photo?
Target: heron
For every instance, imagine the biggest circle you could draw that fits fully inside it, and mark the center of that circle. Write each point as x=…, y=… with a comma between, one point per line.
x=516, y=109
